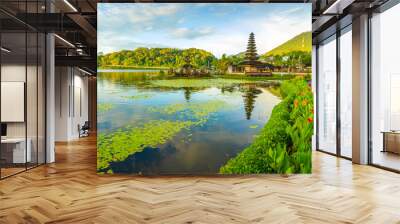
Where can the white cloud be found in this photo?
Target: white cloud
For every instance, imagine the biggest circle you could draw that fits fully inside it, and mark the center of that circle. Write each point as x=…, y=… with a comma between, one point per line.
x=181, y=20
x=186, y=33
x=269, y=33
x=137, y=17
x=108, y=42
x=160, y=25
x=291, y=11
x=143, y=12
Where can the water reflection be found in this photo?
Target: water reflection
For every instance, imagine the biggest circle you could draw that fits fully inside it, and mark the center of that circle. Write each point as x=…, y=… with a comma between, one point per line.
x=200, y=149
x=250, y=94
x=187, y=92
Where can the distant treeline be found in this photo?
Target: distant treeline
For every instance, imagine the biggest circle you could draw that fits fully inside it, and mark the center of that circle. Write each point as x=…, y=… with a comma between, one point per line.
x=198, y=58
x=158, y=57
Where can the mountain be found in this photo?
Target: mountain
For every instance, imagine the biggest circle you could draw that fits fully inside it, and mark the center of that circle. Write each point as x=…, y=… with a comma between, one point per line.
x=301, y=42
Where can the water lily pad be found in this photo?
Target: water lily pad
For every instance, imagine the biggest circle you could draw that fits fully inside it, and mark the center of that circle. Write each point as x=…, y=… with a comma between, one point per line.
x=120, y=144
x=194, y=110
x=138, y=97
x=197, y=83
x=103, y=107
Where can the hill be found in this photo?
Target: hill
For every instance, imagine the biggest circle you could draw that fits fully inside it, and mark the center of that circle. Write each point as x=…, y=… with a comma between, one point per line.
x=301, y=42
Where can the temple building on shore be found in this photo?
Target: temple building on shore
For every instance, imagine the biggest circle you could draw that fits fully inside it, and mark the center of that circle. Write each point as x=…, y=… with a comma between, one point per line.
x=251, y=65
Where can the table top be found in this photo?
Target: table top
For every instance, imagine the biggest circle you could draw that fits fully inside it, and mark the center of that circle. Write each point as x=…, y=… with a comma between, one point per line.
x=391, y=132
x=13, y=140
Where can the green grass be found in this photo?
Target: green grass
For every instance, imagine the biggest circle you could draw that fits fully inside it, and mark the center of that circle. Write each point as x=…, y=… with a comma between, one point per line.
x=275, y=90
x=275, y=76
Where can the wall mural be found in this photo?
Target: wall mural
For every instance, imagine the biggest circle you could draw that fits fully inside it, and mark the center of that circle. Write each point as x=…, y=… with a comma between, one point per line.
x=204, y=88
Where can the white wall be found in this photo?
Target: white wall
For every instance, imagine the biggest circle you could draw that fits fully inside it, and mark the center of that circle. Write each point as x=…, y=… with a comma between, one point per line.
x=62, y=82
x=71, y=102
x=80, y=109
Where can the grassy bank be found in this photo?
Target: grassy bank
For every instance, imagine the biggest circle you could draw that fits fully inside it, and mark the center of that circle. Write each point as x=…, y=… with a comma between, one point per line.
x=284, y=144
x=245, y=77
x=274, y=76
x=132, y=67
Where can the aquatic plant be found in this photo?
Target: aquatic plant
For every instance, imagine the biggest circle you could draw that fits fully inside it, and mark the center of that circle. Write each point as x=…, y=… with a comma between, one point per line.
x=120, y=144
x=110, y=91
x=103, y=107
x=138, y=97
x=198, y=83
x=194, y=110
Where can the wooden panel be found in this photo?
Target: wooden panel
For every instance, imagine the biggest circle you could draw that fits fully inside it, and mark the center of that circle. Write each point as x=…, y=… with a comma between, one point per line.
x=392, y=142
x=92, y=101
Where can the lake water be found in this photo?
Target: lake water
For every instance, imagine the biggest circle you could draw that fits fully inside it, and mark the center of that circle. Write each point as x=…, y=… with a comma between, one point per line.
x=224, y=117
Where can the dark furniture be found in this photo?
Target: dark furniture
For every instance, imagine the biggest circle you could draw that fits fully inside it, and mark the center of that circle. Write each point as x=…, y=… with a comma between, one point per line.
x=84, y=130
x=3, y=129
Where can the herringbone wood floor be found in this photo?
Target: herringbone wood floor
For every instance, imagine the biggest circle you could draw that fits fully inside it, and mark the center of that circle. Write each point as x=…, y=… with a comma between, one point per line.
x=70, y=191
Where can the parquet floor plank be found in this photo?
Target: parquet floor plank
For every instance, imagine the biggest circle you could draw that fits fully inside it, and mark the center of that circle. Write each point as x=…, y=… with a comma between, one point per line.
x=70, y=191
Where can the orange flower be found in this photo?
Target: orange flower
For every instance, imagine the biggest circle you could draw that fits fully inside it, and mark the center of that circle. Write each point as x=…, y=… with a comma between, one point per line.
x=296, y=103
x=310, y=120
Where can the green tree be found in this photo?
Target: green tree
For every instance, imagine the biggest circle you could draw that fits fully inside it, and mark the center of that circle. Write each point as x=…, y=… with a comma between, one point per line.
x=157, y=57
x=222, y=64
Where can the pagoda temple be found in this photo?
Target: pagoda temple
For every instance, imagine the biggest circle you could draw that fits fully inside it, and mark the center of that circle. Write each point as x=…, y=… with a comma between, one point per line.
x=251, y=65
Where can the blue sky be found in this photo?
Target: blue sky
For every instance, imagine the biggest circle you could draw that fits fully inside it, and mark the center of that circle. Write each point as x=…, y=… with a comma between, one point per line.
x=218, y=28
